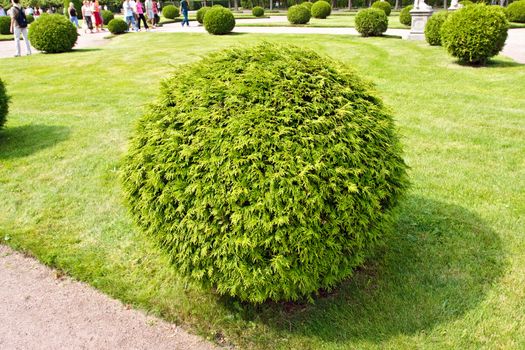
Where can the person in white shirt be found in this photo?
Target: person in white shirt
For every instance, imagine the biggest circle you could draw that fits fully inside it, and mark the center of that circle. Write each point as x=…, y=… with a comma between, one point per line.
x=17, y=30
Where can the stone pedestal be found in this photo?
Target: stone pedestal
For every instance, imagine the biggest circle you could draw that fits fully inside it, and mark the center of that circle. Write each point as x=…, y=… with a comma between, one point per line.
x=419, y=20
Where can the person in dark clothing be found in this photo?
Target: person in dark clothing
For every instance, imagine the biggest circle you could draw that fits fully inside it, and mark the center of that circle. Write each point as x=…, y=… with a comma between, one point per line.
x=184, y=7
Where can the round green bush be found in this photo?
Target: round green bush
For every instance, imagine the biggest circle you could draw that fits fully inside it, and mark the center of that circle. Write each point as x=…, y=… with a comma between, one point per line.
x=170, y=12
x=265, y=172
x=371, y=22
x=475, y=33
x=383, y=5
x=433, y=28
x=258, y=11
x=321, y=9
x=30, y=19
x=298, y=14
x=308, y=5
x=200, y=14
x=107, y=16
x=466, y=2
x=53, y=34
x=516, y=11
x=219, y=21
x=4, y=104
x=405, y=17
x=117, y=26
x=5, y=25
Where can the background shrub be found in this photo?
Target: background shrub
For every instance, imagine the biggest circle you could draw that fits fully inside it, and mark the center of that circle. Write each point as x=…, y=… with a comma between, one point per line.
x=298, y=14
x=53, y=34
x=516, y=11
x=107, y=16
x=466, y=2
x=405, y=17
x=433, y=27
x=117, y=26
x=258, y=11
x=321, y=9
x=200, y=14
x=4, y=104
x=219, y=20
x=371, y=22
x=308, y=5
x=5, y=25
x=265, y=172
x=170, y=12
x=383, y=5
x=475, y=33
x=30, y=19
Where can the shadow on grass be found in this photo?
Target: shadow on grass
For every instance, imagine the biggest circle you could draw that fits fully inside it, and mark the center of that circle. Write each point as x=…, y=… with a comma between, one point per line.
x=91, y=49
x=439, y=264
x=492, y=63
x=22, y=141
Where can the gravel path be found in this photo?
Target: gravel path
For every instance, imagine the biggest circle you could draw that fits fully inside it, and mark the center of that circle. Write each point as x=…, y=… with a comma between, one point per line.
x=40, y=311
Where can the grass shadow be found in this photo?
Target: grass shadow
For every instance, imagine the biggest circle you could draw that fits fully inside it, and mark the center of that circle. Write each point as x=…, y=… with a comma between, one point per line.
x=92, y=49
x=439, y=263
x=22, y=141
x=492, y=63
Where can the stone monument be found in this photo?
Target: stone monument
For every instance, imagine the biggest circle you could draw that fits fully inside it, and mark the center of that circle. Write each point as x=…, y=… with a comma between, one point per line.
x=420, y=14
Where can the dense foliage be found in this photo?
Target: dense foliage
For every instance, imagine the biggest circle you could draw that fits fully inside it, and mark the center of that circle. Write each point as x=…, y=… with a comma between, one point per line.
x=30, y=19
x=516, y=11
x=107, y=16
x=475, y=33
x=433, y=27
x=265, y=173
x=321, y=9
x=383, y=5
x=219, y=20
x=308, y=5
x=117, y=26
x=298, y=14
x=4, y=104
x=371, y=22
x=53, y=34
x=405, y=17
x=258, y=11
x=5, y=25
x=170, y=12
x=200, y=14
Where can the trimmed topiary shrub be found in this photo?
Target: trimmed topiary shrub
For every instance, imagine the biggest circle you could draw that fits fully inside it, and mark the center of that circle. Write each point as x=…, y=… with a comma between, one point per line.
x=53, y=34
x=466, y=2
x=371, y=22
x=433, y=27
x=117, y=26
x=219, y=21
x=475, y=33
x=170, y=12
x=308, y=5
x=265, y=172
x=405, y=17
x=5, y=25
x=258, y=11
x=321, y=9
x=298, y=14
x=516, y=11
x=4, y=104
x=107, y=16
x=30, y=19
x=383, y=5
x=201, y=13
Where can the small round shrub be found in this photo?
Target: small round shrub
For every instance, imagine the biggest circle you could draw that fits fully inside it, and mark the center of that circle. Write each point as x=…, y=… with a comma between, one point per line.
x=383, y=5
x=5, y=25
x=298, y=14
x=321, y=9
x=4, y=104
x=516, y=11
x=117, y=26
x=200, y=14
x=53, y=34
x=258, y=11
x=405, y=17
x=371, y=22
x=308, y=5
x=30, y=19
x=170, y=12
x=475, y=33
x=466, y=2
x=433, y=28
x=107, y=16
x=265, y=172
x=219, y=21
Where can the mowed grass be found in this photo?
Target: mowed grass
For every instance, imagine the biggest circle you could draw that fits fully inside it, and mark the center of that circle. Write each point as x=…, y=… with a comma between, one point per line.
x=448, y=275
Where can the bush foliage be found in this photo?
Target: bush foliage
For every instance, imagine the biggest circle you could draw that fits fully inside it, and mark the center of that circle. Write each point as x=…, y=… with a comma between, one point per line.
x=475, y=33
x=5, y=25
x=258, y=11
x=30, y=19
x=53, y=34
x=200, y=14
x=371, y=22
x=117, y=26
x=321, y=9
x=107, y=16
x=265, y=172
x=170, y=12
x=4, y=104
x=516, y=11
x=308, y=5
x=433, y=28
x=405, y=17
x=298, y=14
x=219, y=20
x=383, y=5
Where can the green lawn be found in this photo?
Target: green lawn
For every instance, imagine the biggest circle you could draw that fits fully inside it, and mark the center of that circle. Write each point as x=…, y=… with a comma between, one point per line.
x=449, y=275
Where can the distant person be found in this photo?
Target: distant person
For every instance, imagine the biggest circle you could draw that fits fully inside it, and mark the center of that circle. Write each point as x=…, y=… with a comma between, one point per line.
x=156, y=18
x=129, y=15
x=86, y=14
x=73, y=16
x=148, y=4
x=37, y=12
x=19, y=26
x=29, y=11
x=140, y=14
x=184, y=7
x=95, y=8
x=2, y=11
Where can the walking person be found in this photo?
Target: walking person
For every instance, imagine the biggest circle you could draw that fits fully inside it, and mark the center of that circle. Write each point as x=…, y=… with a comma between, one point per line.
x=95, y=8
x=156, y=18
x=148, y=4
x=140, y=14
x=19, y=26
x=86, y=14
x=184, y=7
x=129, y=15
x=73, y=17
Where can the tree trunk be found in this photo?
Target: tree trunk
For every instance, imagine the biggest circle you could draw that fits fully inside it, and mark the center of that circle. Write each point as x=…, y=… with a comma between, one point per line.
x=271, y=5
x=236, y=5
x=349, y=4
x=396, y=6
x=334, y=4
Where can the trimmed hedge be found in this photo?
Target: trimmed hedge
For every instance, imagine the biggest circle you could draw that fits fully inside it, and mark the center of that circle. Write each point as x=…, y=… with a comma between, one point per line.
x=298, y=14
x=383, y=5
x=258, y=11
x=170, y=12
x=4, y=104
x=371, y=22
x=466, y=2
x=405, y=17
x=321, y=9
x=5, y=25
x=219, y=20
x=308, y=5
x=515, y=12
x=475, y=33
x=107, y=16
x=200, y=14
x=30, y=19
x=433, y=28
x=53, y=34
x=265, y=172
x=117, y=26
